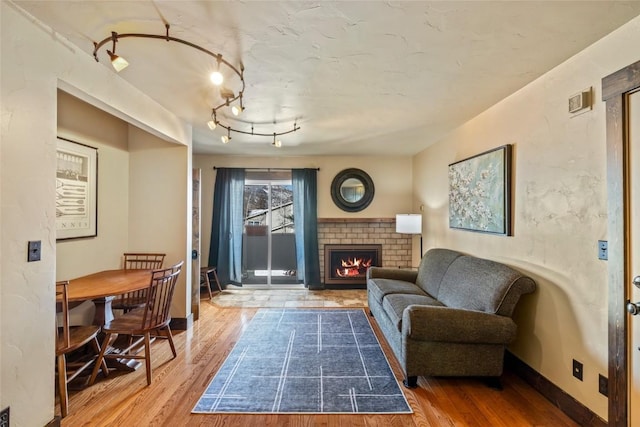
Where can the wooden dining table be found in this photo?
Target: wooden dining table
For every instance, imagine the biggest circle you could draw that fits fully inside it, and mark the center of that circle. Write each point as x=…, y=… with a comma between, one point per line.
x=103, y=286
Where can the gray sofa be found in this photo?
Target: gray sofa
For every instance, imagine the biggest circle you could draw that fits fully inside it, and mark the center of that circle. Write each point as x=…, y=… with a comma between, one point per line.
x=451, y=317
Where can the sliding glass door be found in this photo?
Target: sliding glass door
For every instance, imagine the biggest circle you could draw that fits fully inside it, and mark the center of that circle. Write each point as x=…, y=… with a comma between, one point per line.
x=268, y=246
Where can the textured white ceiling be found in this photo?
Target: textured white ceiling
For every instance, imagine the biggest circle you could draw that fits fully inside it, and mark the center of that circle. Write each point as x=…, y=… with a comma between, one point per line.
x=359, y=77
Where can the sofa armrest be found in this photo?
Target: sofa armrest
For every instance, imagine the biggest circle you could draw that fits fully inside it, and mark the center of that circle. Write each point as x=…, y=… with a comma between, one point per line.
x=392, y=273
x=446, y=324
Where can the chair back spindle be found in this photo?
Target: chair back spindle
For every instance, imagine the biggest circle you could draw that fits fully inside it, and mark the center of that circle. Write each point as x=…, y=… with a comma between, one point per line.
x=159, y=297
x=137, y=261
x=143, y=261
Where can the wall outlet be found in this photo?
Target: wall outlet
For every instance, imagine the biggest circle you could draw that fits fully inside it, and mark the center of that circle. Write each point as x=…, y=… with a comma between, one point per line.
x=577, y=369
x=4, y=417
x=603, y=250
x=603, y=385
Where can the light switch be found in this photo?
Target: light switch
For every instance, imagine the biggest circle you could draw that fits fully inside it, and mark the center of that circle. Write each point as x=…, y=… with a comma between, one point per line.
x=34, y=250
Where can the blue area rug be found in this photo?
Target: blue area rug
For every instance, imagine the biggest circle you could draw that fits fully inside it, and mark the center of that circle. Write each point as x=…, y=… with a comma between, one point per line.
x=305, y=361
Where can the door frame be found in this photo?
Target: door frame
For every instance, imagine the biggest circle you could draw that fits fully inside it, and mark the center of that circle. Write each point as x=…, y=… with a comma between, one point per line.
x=196, y=201
x=615, y=91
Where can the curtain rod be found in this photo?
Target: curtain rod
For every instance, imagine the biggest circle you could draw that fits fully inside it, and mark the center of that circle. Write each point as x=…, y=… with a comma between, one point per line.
x=264, y=169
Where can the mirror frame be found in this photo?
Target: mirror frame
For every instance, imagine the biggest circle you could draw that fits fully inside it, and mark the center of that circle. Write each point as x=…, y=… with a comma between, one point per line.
x=340, y=178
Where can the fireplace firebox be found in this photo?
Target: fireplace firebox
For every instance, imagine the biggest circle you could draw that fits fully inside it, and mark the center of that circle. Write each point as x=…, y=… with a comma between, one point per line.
x=348, y=264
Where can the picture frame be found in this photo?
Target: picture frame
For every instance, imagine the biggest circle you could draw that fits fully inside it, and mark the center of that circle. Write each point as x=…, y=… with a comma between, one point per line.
x=480, y=192
x=76, y=190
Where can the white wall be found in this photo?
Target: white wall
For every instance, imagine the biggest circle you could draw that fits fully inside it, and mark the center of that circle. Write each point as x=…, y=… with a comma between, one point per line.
x=391, y=178
x=35, y=62
x=160, y=206
x=559, y=215
x=83, y=123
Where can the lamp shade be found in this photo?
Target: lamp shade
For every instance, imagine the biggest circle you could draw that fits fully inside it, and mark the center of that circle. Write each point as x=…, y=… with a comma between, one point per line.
x=409, y=223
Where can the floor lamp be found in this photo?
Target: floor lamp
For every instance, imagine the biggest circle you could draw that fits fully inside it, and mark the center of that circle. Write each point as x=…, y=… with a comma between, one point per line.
x=410, y=224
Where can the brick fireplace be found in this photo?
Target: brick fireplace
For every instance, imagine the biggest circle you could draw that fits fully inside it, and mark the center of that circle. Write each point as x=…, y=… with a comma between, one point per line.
x=396, y=248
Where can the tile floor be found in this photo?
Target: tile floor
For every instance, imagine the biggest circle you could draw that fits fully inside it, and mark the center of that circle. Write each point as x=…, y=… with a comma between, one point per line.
x=277, y=298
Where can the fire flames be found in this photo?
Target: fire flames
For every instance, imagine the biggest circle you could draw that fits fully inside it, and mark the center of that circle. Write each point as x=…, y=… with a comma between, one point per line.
x=353, y=267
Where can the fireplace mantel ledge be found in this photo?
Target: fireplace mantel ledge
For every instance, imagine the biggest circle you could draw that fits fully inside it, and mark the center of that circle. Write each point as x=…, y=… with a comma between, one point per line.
x=330, y=220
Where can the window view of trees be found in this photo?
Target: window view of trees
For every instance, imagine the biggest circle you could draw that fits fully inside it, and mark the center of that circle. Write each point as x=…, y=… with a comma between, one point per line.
x=256, y=207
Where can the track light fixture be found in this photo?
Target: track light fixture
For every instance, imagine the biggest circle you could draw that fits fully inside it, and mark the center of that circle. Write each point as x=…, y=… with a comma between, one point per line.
x=228, y=96
x=119, y=63
x=216, y=76
x=225, y=138
x=237, y=109
x=276, y=142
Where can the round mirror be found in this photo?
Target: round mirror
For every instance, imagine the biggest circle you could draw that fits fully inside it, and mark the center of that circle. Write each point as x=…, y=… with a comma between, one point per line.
x=352, y=190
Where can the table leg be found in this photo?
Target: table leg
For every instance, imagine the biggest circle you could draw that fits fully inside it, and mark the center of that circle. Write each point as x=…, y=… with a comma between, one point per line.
x=104, y=312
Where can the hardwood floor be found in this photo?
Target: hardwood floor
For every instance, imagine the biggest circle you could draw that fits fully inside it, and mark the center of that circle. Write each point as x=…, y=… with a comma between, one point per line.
x=123, y=399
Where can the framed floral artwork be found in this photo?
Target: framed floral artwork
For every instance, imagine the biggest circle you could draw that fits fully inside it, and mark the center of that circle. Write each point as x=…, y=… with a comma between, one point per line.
x=480, y=192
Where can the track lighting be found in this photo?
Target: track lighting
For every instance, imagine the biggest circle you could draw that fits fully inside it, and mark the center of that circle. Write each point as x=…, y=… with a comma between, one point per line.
x=276, y=142
x=118, y=62
x=227, y=94
x=226, y=138
x=216, y=77
x=238, y=109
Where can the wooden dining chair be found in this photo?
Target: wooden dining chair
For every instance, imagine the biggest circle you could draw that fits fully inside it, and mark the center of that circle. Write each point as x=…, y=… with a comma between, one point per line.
x=151, y=319
x=71, y=338
x=137, y=261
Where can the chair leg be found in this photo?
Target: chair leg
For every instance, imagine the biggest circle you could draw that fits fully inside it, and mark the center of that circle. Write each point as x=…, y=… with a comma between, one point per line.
x=147, y=355
x=215, y=276
x=100, y=361
x=170, y=338
x=208, y=283
x=96, y=347
x=62, y=385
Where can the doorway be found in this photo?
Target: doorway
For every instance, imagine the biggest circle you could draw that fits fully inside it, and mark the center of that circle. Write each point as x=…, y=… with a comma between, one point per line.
x=268, y=245
x=621, y=93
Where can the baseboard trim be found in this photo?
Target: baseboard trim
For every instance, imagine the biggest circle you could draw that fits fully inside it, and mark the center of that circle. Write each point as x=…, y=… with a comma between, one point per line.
x=182, y=323
x=55, y=422
x=567, y=404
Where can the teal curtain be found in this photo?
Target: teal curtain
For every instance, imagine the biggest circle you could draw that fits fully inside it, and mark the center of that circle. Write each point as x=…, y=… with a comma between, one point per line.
x=305, y=214
x=225, y=249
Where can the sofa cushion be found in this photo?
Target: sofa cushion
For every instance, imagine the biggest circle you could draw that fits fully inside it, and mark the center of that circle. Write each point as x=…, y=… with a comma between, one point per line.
x=394, y=305
x=477, y=284
x=433, y=267
x=378, y=288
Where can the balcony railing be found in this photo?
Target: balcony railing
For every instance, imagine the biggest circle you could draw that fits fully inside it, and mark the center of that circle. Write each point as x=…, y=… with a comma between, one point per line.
x=281, y=218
